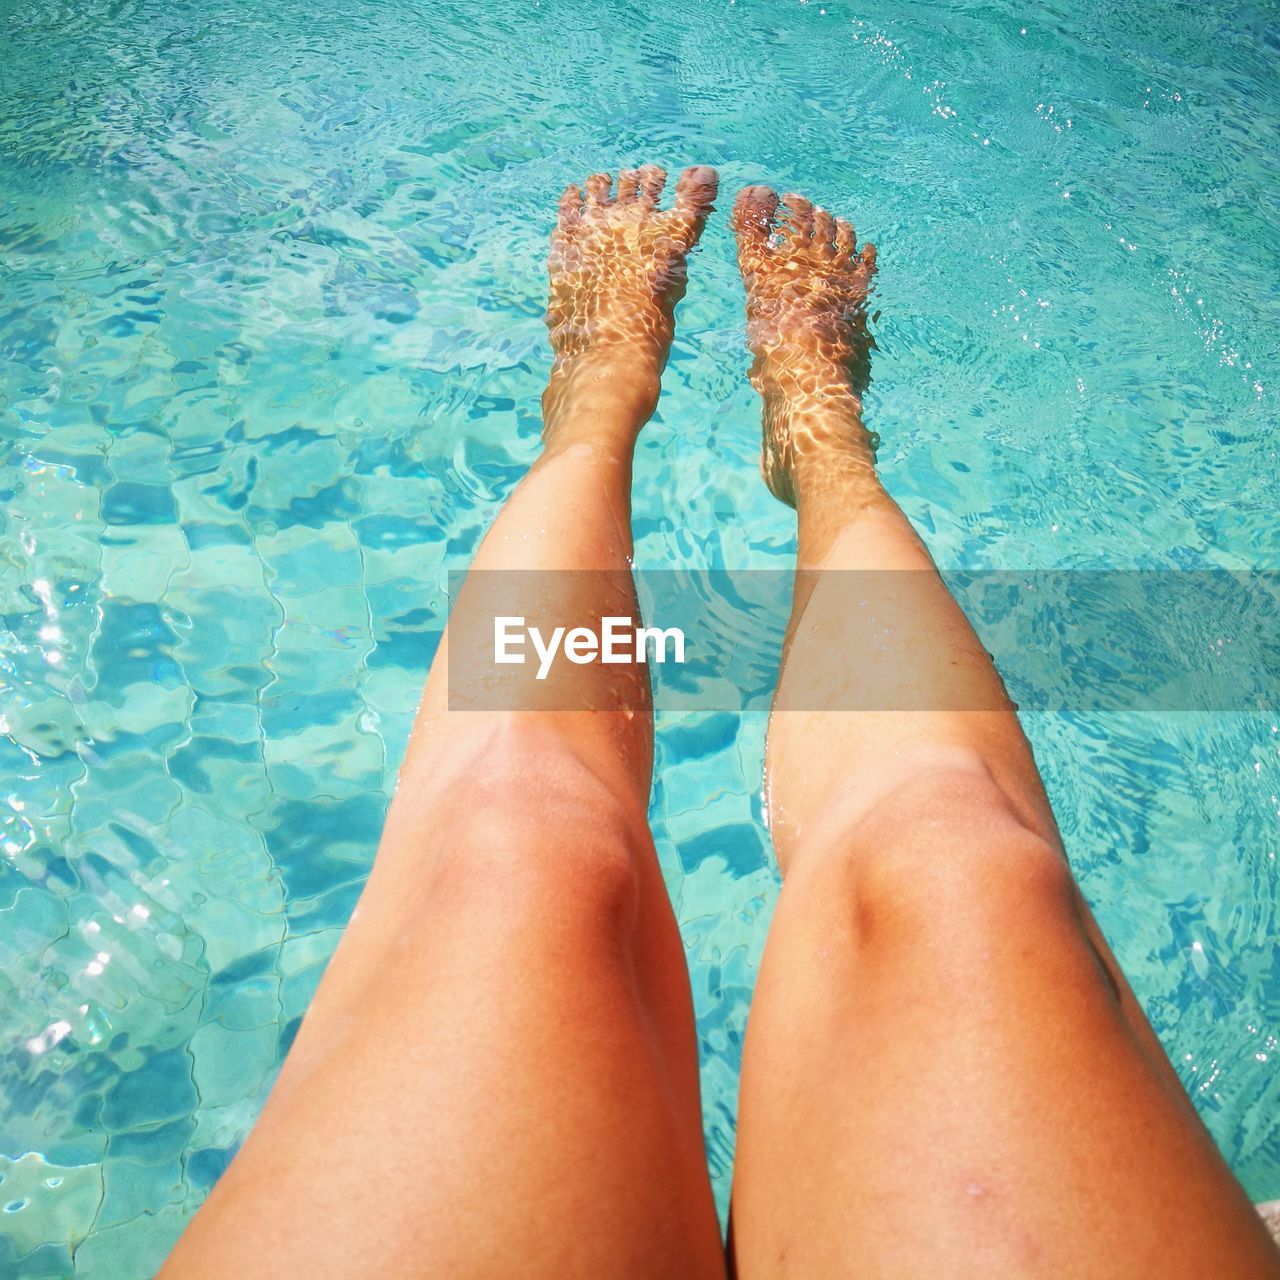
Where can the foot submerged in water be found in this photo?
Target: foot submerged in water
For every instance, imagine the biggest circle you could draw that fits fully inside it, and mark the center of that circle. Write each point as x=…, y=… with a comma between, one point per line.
x=806, y=326
x=618, y=268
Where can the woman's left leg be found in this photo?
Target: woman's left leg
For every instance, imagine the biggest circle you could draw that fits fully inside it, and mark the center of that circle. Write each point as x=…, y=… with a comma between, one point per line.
x=498, y=1075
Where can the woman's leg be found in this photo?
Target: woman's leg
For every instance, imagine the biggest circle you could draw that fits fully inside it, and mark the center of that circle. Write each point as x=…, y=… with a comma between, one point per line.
x=945, y=1072
x=498, y=1075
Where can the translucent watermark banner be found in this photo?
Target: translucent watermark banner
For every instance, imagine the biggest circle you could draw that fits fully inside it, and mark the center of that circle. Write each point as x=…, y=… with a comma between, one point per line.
x=868, y=640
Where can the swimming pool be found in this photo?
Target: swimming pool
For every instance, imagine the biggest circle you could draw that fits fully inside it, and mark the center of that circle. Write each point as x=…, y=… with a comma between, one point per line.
x=270, y=357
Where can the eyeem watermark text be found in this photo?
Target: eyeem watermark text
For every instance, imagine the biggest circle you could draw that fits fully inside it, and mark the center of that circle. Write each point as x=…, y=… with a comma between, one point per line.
x=1081, y=641
x=618, y=641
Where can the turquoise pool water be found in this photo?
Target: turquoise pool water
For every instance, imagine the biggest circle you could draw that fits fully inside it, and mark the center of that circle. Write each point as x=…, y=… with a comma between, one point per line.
x=270, y=287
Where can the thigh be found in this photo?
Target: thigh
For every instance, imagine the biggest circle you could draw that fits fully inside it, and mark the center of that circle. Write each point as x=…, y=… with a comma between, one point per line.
x=943, y=1077
x=498, y=1075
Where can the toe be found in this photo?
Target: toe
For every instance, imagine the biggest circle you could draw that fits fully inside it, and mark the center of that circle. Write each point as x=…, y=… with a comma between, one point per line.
x=598, y=189
x=824, y=230
x=752, y=221
x=845, y=238
x=651, y=181
x=570, y=211
x=867, y=259
x=695, y=196
x=799, y=219
x=696, y=190
x=628, y=185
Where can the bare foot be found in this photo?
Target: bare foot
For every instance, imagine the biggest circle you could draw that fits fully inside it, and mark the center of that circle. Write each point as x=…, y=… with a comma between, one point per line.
x=617, y=271
x=806, y=325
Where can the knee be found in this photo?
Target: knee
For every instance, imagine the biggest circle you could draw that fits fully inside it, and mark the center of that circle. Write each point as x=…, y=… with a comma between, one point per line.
x=534, y=830
x=943, y=859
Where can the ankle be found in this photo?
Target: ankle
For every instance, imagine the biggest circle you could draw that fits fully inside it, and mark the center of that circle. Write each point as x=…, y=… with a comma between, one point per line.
x=813, y=393
x=831, y=453
x=807, y=372
x=606, y=387
x=828, y=446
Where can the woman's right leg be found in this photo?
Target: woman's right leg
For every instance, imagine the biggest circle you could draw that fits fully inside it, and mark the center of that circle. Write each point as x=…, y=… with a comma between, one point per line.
x=945, y=1072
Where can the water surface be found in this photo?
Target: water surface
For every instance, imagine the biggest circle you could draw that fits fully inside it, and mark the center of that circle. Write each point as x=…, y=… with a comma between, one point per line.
x=271, y=279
